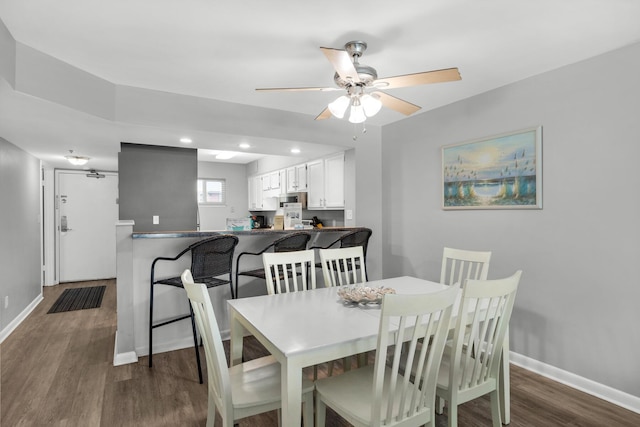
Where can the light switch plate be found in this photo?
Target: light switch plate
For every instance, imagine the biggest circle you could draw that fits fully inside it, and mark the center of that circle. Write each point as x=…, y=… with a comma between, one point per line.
x=156, y=219
x=349, y=214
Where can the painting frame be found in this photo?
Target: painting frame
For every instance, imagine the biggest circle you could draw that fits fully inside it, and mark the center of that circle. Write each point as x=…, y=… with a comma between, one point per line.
x=501, y=171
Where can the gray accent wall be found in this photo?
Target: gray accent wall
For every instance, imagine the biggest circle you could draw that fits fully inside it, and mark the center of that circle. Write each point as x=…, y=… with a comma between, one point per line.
x=20, y=216
x=159, y=181
x=577, y=305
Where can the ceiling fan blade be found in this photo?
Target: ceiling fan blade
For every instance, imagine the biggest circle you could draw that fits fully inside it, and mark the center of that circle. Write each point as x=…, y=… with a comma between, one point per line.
x=324, y=115
x=436, y=76
x=298, y=89
x=396, y=104
x=341, y=61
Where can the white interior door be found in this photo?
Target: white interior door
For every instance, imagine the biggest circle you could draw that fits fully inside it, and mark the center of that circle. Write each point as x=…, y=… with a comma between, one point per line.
x=87, y=213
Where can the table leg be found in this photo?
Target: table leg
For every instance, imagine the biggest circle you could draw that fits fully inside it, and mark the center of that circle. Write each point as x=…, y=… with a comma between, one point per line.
x=291, y=394
x=236, y=339
x=505, y=381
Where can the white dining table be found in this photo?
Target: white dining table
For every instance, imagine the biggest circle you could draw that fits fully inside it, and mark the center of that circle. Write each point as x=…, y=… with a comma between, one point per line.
x=307, y=328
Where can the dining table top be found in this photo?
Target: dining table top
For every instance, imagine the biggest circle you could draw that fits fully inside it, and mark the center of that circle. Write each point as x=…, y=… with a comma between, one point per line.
x=309, y=321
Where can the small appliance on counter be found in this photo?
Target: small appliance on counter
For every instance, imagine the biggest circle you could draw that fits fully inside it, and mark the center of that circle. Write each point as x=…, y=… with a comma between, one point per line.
x=259, y=221
x=299, y=197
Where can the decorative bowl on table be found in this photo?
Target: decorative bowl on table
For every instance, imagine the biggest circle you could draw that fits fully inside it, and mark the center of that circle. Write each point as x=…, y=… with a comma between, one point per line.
x=359, y=294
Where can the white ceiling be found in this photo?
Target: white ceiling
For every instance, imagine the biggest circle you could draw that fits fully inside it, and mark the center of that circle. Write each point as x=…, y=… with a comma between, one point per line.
x=224, y=50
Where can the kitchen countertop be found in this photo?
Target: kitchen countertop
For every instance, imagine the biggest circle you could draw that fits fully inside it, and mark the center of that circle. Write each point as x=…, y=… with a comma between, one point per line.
x=254, y=232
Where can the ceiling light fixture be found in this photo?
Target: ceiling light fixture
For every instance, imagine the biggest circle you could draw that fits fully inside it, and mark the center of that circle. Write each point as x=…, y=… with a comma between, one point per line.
x=360, y=105
x=244, y=145
x=186, y=140
x=295, y=150
x=76, y=160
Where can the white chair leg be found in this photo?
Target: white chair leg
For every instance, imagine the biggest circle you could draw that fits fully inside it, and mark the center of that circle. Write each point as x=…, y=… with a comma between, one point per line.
x=495, y=408
x=307, y=410
x=321, y=412
x=439, y=405
x=211, y=412
x=453, y=413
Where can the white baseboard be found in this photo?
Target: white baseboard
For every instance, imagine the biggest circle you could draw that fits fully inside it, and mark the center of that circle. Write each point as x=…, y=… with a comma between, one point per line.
x=593, y=388
x=179, y=344
x=20, y=318
x=123, y=358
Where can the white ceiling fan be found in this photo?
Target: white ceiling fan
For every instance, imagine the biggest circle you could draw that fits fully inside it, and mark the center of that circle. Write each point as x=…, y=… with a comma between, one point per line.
x=364, y=97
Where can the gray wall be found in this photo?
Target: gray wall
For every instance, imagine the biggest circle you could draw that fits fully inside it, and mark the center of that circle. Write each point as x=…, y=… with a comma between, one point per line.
x=7, y=55
x=20, y=231
x=158, y=181
x=577, y=306
x=215, y=217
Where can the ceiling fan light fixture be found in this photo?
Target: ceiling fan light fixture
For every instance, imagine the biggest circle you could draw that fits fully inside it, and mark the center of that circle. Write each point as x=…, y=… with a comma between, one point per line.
x=371, y=104
x=357, y=112
x=339, y=106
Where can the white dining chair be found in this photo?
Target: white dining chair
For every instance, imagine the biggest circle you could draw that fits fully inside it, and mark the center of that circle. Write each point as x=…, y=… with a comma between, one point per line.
x=459, y=265
x=471, y=367
x=289, y=271
x=243, y=390
x=379, y=394
x=337, y=270
x=337, y=266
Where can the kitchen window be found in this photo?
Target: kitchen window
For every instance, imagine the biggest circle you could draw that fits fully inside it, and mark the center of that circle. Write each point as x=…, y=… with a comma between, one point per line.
x=212, y=191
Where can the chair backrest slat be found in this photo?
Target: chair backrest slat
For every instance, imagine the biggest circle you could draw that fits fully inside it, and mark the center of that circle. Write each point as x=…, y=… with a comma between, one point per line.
x=289, y=271
x=343, y=266
x=460, y=265
x=413, y=331
x=481, y=327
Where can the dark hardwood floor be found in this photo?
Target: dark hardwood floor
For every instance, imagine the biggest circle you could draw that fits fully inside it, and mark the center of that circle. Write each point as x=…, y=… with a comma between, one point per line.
x=56, y=369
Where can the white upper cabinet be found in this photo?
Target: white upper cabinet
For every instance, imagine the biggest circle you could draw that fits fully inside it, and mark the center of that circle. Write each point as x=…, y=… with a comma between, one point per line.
x=334, y=181
x=297, y=178
x=315, y=184
x=322, y=179
x=274, y=180
x=283, y=181
x=326, y=183
x=255, y=193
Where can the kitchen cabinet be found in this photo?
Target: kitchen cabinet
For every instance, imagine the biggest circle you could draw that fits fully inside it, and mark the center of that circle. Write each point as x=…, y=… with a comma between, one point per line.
x=255, y=193
x=325, y=183
x=271, y=181
x=297, y=178
x=334, y=181
x=283, y=181
x=315, y=184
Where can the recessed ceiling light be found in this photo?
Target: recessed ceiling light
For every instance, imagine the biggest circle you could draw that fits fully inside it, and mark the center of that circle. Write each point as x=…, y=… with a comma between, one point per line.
x=186, y=140
x=225, y=155
x=295, y=150
x=245, y=145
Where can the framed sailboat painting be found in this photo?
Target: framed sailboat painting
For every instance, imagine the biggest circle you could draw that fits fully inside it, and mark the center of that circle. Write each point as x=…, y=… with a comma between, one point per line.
x=498, y=172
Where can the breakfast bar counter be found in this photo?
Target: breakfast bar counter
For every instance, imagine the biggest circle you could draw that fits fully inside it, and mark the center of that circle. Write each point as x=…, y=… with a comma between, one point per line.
x=135, y=253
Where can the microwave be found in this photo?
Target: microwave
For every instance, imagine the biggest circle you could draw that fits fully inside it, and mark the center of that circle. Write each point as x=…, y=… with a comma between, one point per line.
x=300, y=197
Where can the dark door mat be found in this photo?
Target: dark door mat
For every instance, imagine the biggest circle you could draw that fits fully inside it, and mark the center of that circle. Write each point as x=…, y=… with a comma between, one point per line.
x=78, y=299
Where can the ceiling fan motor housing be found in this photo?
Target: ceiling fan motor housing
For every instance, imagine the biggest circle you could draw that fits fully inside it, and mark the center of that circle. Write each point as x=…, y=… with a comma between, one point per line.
x=366, y=74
